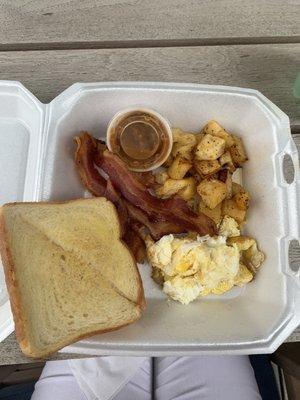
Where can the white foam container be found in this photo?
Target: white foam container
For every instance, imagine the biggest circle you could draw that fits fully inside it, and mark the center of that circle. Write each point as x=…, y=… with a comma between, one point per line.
x=36, y=162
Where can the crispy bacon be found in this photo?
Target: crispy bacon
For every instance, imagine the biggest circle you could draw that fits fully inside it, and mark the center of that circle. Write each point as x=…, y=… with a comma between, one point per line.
x=140, y=213
x=136, y=245
x=174, y=210
x=156, y=229
x=85, y=154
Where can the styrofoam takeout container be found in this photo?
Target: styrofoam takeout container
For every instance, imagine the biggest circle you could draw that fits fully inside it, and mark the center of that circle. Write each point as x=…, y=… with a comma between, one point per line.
x=36, y=161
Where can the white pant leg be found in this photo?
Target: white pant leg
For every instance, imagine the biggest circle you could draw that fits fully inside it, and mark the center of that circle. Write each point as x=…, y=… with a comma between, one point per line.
x=205, y=378
x=140, y=386
x=57, y=382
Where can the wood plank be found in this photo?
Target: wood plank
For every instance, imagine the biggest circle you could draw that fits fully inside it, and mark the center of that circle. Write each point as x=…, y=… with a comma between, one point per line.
x=130, y=21
x=272, y=69
x=11, y=354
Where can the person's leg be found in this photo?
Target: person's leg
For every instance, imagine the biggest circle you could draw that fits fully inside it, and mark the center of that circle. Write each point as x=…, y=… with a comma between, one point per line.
x=205, y=378
x=57, y=382
x=140, y=386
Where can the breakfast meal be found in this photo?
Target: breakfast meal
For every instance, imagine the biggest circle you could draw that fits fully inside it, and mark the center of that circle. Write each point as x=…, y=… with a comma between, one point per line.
x=184, y=218
x=163, y=195
x=68, y=273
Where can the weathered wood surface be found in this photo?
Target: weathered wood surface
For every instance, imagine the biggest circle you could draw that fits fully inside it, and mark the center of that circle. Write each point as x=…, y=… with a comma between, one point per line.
x=270, y=68
x=130, y=22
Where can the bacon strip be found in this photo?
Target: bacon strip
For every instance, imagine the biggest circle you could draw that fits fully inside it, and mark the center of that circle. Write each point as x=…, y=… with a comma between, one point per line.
x=156, y=229
x=138, y=210
x=173, y=210
x=85, y=154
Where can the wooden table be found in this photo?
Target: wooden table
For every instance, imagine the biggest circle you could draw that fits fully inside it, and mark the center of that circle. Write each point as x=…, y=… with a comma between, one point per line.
x=50, y=45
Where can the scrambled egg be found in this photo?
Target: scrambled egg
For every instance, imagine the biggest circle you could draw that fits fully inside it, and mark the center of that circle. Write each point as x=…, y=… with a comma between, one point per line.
x=193, y=268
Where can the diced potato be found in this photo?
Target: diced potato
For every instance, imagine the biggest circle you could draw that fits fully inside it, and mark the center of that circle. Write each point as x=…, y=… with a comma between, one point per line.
x=229, y=141
x=229, y=227
x=189, y=191
x=236, y=188
x=161, y=177
x=214, y=214
x=228, y=183
x=183, y=143
x=168, y=161
x=226, y=161
x=183, y=151
x=157, y=275
x=225, y=176
x=173, y=186
x=253, y=257
x=170, y=187
x=212, y=192
x=238, y=152
x=242, y=200
x=193, y=203
x=183, y=138
x=229, y=207
x=243, y=276
x=210, y=148
x=179, y=168
x=193, y=172
x=213, y=128
x=199, y=136
x=242, y=242
x=207, y=167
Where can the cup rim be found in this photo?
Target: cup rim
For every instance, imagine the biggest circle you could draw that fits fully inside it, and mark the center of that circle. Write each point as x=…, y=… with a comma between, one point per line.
x=166, y=125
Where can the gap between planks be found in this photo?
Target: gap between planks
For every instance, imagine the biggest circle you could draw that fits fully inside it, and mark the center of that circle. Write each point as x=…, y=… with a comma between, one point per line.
x=127, y=44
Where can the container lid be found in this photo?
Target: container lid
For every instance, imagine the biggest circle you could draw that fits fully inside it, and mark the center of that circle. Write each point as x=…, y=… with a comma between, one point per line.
x=21, y=119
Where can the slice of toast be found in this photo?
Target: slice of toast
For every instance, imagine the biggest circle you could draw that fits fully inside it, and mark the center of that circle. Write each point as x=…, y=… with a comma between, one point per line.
x=68, y=273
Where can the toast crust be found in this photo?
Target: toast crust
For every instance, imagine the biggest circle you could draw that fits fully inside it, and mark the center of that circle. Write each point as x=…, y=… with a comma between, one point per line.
x=14, y=293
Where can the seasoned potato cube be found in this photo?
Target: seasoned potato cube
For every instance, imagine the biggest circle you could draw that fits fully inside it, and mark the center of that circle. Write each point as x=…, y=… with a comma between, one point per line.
x=212, y=192
x=229, y=140
x=183, y=138
x=161, y=177
x=243, y=276
x=170, y=187
x=213, y=128
x=183, y=151
x=238, y=152
x=184, y=142
x=229, y=207
x=226, y=161
x=193, y=203
x=214, y=214
x=228, y=183
x=210, y=148
x=242, y=242
x=189, y=191
x=168, y=161
x=236, y=188
x=207, y=167
x=242, y=200
x=226, y=177
x=199, y=136
x=157, y=275
x=179, y=168
x=173, y=186
x=253, y=257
